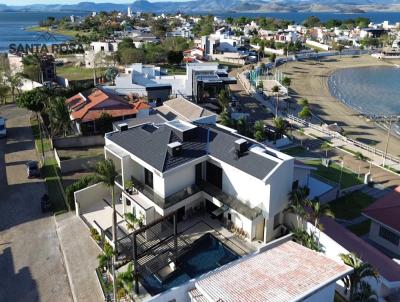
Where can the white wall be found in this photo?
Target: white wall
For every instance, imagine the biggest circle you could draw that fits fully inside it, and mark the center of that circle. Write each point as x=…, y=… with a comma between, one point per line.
x=179, y=180
x=374, y=235
x=325, y=294
x=301, y=175
x=89, y=196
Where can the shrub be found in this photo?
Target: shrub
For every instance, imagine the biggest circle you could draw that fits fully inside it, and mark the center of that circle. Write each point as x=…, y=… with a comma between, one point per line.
x=95, y=235
x=76, y=186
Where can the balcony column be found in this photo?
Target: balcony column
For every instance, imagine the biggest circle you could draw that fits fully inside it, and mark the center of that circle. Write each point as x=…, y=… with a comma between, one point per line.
x=135, y=266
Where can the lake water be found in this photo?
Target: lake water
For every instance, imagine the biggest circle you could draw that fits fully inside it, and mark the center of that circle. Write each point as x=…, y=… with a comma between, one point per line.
x=12, y=27
x=370, y=90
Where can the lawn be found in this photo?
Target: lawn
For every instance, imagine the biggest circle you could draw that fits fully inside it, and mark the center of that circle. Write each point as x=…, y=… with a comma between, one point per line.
x=73, y=73
x=49, y=171
x=64, y=32
x=75, y=153
x=293, y=151
x=332, y=173
x=361, y=228
x=350, y=206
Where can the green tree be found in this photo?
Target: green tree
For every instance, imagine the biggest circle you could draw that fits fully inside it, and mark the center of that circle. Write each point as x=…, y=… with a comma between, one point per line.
x=312, y=21
x=174, y=57
x=32, y=69
x=107, y=174
x=104, y=123
x=316, y=212
x=224, y=98
x=286, y=82
x=305, y=113
x=259, y=132
x=129, y=56
x=59, y=116
x=297, y=204
x=225, y=119
x=361, y=270
x=325, y=146
x=276, y=90
x=105, y=257
x=303, y=102
x=111, y=73
x=15, y=83
x=365, y=293
x=4, y=90
x=280, y=128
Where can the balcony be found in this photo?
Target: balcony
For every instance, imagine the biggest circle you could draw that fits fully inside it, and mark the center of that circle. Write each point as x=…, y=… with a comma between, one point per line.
x=169, y=201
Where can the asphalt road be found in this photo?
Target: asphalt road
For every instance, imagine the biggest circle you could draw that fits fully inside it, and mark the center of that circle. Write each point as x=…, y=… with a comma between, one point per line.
x=31, y=262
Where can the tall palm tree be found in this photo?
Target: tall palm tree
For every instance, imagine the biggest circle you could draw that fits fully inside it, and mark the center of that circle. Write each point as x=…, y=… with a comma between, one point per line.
x=59, y=116
x=353, y=282
x=106, y=173
x=326, y=147
x=297, y=204
x=317, y=211
x=275, y=90
x=280, y=127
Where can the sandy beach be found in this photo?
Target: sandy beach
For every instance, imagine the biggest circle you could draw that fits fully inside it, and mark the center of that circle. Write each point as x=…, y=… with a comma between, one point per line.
x=310, y=80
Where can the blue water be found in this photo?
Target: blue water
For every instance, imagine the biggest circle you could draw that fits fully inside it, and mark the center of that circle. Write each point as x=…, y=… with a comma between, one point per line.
x=376, y=17
x=12, y=27
x=206, y=254
x=371, y=90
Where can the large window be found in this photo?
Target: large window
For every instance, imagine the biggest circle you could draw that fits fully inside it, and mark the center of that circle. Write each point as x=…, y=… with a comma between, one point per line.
x=148, y=178
x=389, y=235
x=214, y=175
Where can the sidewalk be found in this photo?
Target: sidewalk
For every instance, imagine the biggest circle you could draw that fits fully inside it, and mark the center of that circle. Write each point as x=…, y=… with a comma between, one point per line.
x=80, y=257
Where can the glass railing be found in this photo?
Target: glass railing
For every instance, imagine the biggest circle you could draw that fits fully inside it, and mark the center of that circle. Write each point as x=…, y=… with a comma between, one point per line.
x=169, y=201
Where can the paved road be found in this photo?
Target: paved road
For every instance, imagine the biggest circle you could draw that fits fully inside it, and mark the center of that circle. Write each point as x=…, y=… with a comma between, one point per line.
x=31, y=262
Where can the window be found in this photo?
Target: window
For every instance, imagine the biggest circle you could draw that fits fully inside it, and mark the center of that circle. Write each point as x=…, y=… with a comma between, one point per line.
x=229, y=216
x=277, y=221
x=389, y=235
x=148, y=178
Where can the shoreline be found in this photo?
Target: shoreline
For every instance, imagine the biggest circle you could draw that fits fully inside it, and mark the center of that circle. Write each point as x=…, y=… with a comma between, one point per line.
x=310, y=80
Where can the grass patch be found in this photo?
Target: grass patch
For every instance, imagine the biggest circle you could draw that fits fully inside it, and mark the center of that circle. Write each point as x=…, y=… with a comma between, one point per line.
x=73, y=73
x=293, y=151
x=36, y=134
x=50, y=171
x=361, y=228
x=75, y=153
x=350, y=206
x=332, y=173
x=64, y=32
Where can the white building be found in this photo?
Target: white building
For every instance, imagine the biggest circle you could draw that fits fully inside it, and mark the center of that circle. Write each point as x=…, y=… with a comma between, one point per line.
x=97, y=53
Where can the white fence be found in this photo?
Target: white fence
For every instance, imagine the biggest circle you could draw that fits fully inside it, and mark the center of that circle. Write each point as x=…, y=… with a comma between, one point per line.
x=347, y=140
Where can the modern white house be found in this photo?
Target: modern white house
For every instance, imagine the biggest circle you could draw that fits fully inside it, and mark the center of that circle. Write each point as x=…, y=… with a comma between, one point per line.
x=202, y=80
x=95, y=55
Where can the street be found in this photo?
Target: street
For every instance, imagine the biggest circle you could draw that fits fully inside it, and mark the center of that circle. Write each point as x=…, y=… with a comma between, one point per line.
x=31, y=262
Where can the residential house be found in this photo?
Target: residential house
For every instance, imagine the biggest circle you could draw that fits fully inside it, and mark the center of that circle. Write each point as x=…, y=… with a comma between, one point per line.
x=98, y=52
x=385, y=222
x=85, y=110
x=286, y=272
x=202, y=82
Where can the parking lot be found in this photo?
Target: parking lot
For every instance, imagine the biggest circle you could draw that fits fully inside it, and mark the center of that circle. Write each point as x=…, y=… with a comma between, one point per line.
x=31, y=261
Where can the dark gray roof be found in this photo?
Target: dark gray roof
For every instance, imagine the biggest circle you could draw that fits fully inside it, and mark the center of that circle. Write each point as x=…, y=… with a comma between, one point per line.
x=153, y=118
x=151, y=147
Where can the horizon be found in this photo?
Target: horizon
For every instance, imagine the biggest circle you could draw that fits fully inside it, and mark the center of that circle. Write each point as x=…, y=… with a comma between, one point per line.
x=49, y=2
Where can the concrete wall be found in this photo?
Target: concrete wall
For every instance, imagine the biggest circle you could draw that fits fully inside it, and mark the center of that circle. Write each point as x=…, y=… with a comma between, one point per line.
x=77, y=164
x=319, y=45
x=86, y=198
x=326, y=293
x=374, y=236
x=179, y=180
x=78, y=141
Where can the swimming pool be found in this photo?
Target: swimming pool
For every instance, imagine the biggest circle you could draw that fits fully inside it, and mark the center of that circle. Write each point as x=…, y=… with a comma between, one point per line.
x=205, y=254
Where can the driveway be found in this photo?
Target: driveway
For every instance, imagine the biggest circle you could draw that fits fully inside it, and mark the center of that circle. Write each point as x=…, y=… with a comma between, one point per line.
x=31, y=261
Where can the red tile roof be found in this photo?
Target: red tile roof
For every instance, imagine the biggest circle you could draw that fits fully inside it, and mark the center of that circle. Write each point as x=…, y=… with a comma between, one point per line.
x=386, y=210
x=385, y=266
x=283, y=273
x=101, y=101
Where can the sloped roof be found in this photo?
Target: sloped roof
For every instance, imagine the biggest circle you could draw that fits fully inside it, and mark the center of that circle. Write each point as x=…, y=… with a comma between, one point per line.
x=149, y=143
x=386, y=210
x=283, y=273
x=100, y=101
x=385, y=266
x=182, y=109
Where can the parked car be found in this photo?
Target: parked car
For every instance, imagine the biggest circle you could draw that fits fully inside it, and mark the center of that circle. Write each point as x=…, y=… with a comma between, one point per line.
x=3, y=130
x=32, y=169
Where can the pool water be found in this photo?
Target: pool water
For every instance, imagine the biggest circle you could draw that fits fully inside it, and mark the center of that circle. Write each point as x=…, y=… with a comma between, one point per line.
x=205, y=254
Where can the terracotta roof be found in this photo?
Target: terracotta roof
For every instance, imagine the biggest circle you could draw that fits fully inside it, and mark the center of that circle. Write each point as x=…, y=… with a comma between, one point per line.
x=385, y=266
x=101, y=101
x=386, y=210
x=284, y=273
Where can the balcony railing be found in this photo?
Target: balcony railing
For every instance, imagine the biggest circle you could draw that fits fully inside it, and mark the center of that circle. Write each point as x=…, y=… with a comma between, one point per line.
x=169, y=201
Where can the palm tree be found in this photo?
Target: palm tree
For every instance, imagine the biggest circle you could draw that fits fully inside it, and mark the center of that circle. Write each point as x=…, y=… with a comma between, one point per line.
x=4, y=89
x=15, y=82
x=317, y=211
x=361, y=270
x=297, y=204
x=275, y=90
x=326, y=147
x=106, y=257
x=59, y=116
x=280, y=127
x=224, y=98
x=106, y=173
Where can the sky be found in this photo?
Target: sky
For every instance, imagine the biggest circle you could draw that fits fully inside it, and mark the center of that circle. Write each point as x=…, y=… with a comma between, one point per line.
x=27, y=2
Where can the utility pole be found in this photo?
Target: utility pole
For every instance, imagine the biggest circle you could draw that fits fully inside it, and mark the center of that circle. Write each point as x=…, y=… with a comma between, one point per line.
x=387, y=140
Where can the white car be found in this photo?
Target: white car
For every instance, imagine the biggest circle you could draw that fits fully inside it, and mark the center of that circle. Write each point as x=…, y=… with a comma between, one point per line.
x=3, y=131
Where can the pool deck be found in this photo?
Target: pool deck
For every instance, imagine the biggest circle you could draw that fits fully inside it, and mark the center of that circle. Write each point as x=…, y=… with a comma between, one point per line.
x=195, y=227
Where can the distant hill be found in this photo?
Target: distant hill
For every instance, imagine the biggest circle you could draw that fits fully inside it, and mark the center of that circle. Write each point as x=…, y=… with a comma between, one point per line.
x=220, y=6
